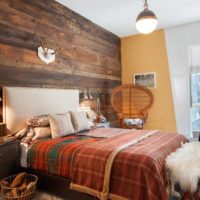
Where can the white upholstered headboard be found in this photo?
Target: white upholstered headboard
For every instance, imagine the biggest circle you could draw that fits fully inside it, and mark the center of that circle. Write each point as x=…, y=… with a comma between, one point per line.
x=22, y=103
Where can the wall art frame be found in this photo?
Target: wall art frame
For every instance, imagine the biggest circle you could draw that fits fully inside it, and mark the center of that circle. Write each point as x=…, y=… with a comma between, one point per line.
x=145, y=79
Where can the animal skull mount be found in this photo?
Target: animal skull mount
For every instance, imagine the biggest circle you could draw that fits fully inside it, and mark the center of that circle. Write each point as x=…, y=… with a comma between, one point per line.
x=47, y=52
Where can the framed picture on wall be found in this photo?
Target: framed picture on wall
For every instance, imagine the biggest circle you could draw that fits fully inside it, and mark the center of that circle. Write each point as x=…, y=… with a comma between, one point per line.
x=145, y=79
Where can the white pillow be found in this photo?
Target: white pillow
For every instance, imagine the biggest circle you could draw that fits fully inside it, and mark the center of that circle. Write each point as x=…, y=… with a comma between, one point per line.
x=91, y=124
x=80, y=121
x=42, y=132
x=91, y=115
x=61, y=125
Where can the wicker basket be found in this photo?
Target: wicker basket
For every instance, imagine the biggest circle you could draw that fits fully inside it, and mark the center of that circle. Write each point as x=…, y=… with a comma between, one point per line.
x=19, y=193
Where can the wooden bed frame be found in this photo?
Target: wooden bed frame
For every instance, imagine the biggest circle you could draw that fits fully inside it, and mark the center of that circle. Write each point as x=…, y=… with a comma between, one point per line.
x=56, y=185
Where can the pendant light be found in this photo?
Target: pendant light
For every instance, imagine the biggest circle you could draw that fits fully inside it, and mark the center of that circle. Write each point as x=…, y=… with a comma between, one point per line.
x=146, y=21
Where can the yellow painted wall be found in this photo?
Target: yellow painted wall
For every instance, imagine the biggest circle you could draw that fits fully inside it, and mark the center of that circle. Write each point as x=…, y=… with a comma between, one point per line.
x=147, y=53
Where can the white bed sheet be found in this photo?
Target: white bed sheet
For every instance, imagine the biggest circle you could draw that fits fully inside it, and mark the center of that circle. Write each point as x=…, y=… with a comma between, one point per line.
x=24, y=154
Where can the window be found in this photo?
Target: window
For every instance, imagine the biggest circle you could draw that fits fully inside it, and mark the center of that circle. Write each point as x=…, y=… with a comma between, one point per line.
x=195, y=103
x=195, y=90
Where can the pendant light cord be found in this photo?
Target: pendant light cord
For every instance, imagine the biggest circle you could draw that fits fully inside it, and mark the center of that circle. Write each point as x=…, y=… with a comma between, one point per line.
x=145, y=5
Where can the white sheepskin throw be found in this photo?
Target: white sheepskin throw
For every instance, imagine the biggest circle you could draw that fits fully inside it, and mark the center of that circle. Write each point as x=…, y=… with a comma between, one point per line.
x=183, y=166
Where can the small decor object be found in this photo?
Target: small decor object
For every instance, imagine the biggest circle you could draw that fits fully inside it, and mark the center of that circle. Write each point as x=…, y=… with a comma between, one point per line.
x=18, y=187
x=146, y=21
x=103, y=125
x=145, y=79
x=47, y=51
x=102, y=119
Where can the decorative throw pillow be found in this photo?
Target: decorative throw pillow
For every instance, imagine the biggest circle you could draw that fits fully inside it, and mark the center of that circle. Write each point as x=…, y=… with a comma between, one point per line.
x=42, y=132
x=80, y=121
x=61, y=125
x=38, y=121
x=29, y=136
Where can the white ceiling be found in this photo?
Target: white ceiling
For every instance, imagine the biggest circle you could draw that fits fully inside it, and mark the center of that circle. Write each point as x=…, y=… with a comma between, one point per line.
x=118, y=16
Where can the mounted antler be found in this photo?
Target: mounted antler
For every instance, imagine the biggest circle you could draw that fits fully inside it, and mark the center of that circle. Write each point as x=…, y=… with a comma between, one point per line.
x=47, y=50
x=57, y=48
x=50, y=48
x=44, y=47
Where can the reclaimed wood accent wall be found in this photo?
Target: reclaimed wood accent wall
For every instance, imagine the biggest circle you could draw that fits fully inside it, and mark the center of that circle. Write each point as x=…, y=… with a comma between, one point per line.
x=90, y=55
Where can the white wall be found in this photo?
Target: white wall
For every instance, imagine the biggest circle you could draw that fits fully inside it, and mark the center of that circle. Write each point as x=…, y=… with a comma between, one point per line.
x=178, y=41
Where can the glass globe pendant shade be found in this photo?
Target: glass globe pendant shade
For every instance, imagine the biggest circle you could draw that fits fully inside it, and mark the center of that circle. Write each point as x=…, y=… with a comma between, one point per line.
x=146, y=26
x=146, y=21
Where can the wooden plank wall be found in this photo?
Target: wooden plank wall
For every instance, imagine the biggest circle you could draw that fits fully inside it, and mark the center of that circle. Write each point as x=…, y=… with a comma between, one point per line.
x=90, y=55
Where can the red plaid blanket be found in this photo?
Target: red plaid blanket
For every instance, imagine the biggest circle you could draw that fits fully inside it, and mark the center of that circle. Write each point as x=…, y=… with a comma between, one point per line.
x=55, y=156
x=138, y=171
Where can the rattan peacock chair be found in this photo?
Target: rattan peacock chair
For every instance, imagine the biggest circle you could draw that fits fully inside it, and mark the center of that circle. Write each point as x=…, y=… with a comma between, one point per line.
x=131, y=102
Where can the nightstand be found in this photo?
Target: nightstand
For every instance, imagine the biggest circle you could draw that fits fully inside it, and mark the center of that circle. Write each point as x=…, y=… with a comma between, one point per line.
x=9, y=158
x=104, y=125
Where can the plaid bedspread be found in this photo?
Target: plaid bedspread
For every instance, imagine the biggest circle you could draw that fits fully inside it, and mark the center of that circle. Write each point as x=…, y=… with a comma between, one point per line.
x=138, y=172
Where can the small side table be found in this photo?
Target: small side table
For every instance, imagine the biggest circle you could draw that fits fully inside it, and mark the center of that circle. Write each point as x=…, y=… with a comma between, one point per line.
x=9, y=158
x=103, y=125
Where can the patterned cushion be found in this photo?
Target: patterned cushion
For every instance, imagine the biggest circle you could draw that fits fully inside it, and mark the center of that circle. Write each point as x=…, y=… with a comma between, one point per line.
x=61, y=125
x=80, y=121
x=136, y=121
x=42, y=132
x=38, y=121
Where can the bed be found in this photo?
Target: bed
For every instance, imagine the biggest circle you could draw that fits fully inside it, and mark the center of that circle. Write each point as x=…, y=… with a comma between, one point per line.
x=104, y=163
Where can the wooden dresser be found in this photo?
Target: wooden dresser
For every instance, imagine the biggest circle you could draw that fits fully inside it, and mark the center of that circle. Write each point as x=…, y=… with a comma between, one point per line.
x=9, y=158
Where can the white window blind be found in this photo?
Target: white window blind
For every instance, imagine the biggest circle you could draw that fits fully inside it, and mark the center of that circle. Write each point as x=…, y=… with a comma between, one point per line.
x=195, y=58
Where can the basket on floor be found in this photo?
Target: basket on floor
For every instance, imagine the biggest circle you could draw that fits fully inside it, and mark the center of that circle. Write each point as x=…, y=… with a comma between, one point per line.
x=25, y=192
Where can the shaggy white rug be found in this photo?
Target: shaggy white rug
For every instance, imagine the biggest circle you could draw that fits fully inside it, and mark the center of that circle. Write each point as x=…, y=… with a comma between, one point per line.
x=184, y=166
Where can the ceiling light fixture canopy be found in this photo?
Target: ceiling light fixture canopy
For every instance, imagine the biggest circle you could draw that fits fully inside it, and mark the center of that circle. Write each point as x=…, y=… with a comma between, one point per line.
x=146, y=21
